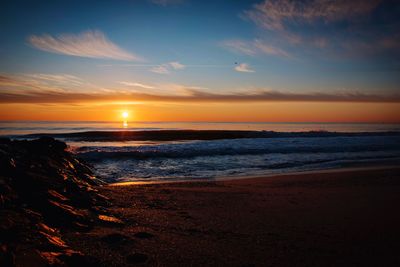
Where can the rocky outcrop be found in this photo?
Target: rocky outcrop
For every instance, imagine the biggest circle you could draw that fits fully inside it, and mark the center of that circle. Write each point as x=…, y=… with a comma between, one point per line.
x=44, y=191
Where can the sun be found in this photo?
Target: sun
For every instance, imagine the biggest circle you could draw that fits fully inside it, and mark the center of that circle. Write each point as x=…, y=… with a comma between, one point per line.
x=125, y=114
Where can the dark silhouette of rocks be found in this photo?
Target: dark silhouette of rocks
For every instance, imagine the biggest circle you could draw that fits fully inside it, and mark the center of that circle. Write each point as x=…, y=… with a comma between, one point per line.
x=136, y=258
x=115, y=239
x=143, y=235
x=44, y=191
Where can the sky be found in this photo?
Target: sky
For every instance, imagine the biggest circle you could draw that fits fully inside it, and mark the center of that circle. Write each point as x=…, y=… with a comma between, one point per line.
x=187, y=60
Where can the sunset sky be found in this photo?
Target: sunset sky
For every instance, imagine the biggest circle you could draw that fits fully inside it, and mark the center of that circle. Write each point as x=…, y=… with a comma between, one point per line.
x=187, y=60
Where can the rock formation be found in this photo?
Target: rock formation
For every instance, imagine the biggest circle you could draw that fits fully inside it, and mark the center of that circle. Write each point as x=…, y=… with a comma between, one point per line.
x=45, y=190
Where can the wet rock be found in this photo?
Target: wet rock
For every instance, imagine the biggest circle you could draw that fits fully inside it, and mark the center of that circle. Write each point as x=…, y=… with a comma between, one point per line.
x=110, y=220
x=44, y=190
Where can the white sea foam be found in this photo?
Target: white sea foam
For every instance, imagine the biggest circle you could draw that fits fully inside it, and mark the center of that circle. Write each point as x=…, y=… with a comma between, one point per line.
x=116, y=160
x=211, y=159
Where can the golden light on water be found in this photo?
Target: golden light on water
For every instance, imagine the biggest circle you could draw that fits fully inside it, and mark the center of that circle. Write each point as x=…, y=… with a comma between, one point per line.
x=125, y=115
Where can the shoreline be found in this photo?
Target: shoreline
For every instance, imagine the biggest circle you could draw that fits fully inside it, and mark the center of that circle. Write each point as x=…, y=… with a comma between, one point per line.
x=382, y=166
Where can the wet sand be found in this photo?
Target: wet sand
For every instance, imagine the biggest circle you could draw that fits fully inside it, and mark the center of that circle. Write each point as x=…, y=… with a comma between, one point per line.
x=345, y=218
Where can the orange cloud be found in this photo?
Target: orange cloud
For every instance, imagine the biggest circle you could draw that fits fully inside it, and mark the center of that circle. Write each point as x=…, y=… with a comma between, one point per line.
x=70, y=89
x=192, y=96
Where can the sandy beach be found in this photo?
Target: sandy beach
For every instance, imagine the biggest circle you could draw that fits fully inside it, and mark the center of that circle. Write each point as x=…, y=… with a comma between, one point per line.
x=340, y=218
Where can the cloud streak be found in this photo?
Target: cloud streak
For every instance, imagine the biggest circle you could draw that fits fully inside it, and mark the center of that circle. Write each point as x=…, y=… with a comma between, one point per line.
x=141, y=85
x=271, y=50
x=27, y=84
x=161, y=69
x=166, y=68
x=243, y=67
x=37, y=93
x=176, y=65
x=331, y=27
x=90, y=44
x=239, y=46
x=57, y=88
x=194, y=96
x=255, y=47
x=276, y=14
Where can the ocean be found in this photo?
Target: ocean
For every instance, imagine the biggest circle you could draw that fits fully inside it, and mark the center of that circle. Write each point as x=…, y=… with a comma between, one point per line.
x=159, y=151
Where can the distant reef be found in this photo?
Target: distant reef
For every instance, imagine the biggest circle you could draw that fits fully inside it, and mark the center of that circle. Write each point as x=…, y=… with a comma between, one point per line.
x=45, y=191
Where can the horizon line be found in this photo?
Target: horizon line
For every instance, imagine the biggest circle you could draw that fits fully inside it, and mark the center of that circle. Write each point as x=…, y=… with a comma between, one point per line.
x=237, y=122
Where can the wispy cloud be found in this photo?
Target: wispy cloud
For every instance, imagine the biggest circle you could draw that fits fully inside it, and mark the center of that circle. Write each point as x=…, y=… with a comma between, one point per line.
x=255, y=47
x=269, y=49
x=161, y=89
x=38, y=82
x=240, y=46
x=91, y=44
x=166, y=68
x=330, y=26
x=8, y=81
x=161, y=69
x=276, y=14
x=243, y=67
x=176, y=65
x=194, y=96
x=57, y=78
x=145, y=86
x=34, y=92
x=168, y=65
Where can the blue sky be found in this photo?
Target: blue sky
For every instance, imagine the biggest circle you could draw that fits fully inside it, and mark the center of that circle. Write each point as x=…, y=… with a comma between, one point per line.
x=340, y=49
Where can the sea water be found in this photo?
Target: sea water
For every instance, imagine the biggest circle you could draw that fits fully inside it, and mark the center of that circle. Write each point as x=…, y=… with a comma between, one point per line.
x=116, y=161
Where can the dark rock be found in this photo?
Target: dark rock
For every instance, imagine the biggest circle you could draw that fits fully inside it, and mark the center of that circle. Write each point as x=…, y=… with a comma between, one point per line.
x=44, y=190
x=137, y=258
x=7, y=258
x=115, y=238
x=79, y=260
x=143, y=235
x=4, y=140
x=34, y=258
x=46, y=144
x=110, y=220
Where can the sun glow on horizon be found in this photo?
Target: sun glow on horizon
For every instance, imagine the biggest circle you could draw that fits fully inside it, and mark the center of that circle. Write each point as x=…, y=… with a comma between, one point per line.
x=125, y=115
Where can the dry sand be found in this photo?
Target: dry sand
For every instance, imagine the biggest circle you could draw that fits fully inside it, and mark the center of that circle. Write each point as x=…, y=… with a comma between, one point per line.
x=346, y=218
